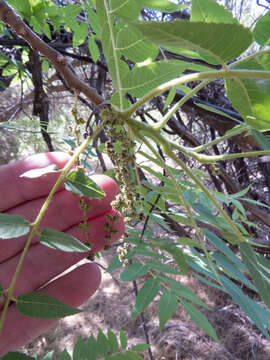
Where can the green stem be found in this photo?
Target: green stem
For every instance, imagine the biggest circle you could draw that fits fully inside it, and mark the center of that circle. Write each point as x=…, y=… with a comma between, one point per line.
x=250, y=57
x=202, y=158
x=180, y=103
x=233, y=132
x=208, y=75
x=39, y=217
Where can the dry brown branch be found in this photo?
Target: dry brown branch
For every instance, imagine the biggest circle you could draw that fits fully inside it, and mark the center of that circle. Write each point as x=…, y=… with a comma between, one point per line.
x=9, y=17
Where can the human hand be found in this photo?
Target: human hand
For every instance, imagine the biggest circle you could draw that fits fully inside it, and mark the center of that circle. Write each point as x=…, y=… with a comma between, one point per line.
x=25, y=196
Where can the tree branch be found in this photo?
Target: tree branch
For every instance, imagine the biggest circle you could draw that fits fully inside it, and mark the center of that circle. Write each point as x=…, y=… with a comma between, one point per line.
x=9, y=17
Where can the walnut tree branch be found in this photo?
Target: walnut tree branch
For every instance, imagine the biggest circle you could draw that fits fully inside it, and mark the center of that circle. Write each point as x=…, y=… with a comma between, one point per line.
x=9, y=17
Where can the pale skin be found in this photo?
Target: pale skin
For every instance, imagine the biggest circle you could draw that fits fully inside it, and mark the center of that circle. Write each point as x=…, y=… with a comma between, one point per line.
x=24, y=196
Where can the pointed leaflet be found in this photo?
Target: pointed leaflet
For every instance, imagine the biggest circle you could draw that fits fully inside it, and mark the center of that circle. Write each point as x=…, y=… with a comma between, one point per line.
x=261, y=31
x=123, y=339
x=224, y=42
x=13, y=226
x=182, y=291
x=143, y=79
x=145, y=296
x=43, y=306
x=251, y=97
x=80, y=351
x=259, y=315
x=161, y=5
x=140, y=347
x=65, y=355
x=259, y=269
x=210, y=11
x=103, y=345
x=112, y=341
x=163, y=268
x=80, y=184
x=166, y=307
x=92, y=348
x=198, y=317
x=58, y=240
x=132, y=272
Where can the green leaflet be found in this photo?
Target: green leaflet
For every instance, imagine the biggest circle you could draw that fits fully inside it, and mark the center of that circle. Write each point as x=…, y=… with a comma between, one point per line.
x=141, y=80
x=210, y=11
x=198, y=317
x=161, y=5
x=123, y=339
x=166, y=307
x=13, y=226
x=259, y=315
x=103, y=344
x=261, y=31
x=112, y=340
x=43, y=306
x=132, y=272
x=80, y=184
x=65, y=355
x=198, y=36
x=259, y=268
x=145, y=296
x=80, y=34
x=252, y=99
x=58, y=240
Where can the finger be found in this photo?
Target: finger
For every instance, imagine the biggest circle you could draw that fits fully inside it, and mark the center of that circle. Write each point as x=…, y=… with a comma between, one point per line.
x=73, y=289
x=15, y=189
x=41, y=263
x=62, y=213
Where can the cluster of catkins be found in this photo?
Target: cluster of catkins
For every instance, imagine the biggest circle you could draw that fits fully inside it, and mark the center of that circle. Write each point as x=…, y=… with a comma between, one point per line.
x=120, y=149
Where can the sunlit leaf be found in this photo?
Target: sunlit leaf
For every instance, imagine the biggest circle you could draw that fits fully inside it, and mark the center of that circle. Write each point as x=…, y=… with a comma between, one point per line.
x=210, y=11
x=202, y=37
x=13, y=226
x=35, y=173
x=80, y=34
x=79, y=183
x=43, y=306
x=143, y=79
x=261, y=30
